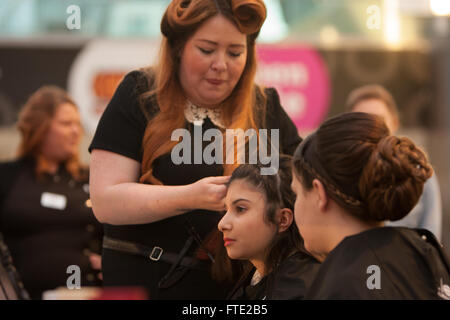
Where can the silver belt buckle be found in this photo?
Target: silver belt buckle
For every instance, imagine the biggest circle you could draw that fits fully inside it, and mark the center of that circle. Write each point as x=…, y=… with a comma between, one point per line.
x=158, y=253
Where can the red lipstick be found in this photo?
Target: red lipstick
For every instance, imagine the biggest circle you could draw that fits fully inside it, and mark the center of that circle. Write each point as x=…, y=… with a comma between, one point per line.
x=228, y=241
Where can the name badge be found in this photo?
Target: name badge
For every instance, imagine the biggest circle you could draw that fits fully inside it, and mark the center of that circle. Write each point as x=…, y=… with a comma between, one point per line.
x=53, y=201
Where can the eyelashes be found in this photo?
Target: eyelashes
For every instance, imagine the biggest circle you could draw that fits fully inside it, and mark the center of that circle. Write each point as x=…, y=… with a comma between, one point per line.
x=235, y=55
x=205, y=51
x=231, y=54
x=238, y=209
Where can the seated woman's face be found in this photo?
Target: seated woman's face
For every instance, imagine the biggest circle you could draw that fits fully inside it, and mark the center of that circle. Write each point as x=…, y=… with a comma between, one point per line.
x=310, y=224
x=246, y=234
x=212, y=62
x=62, y=140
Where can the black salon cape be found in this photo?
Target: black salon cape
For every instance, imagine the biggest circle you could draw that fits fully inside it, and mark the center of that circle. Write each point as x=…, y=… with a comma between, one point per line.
x=411, y=261
x=121, y=131
x=289, y=281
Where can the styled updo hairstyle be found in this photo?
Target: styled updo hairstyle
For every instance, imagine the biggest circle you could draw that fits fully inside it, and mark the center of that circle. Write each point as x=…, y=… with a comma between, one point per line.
x=371, y=174
x=179, y=23
x=183, y=17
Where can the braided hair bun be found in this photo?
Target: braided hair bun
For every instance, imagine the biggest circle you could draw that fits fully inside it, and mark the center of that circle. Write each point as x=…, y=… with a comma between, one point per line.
x=392, y=181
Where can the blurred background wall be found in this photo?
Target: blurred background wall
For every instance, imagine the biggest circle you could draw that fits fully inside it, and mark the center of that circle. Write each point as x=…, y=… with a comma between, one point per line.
x=86, y=46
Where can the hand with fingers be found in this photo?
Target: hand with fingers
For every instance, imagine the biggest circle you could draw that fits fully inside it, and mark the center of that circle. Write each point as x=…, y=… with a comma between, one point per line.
x=209, y=193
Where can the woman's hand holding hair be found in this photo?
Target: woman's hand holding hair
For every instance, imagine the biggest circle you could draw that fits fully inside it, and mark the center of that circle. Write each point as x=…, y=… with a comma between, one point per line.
x=118, y=198
x=209, y=193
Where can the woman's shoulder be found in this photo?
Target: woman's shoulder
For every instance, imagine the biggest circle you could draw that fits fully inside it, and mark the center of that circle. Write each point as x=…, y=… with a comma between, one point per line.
x=387, y=237
x=141, y=76
x=8, y=171
x=144, y=84
x=132, y=97
x=291, y=279
x=130, y=109
x=268, y=106
x=365, y=247
x=267, y=95
x=137, y=82
x=394, y=254
x=10, y=166
x=270, y=114
x=402, y=243
x=344, y=274
x=270, y=92
x=296, y=261
x=269, y=100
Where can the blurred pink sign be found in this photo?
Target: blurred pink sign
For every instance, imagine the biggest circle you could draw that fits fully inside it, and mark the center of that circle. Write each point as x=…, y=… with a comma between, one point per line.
x=301, y=78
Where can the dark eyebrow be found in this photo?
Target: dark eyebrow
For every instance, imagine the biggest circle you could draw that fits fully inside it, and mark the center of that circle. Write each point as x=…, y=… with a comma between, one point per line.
x=241, y=199
x=215, y=43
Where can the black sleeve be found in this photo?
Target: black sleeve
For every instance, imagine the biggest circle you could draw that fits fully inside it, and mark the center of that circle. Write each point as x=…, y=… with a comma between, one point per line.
x=122, y=125
x=8, y=171
x=277, y=118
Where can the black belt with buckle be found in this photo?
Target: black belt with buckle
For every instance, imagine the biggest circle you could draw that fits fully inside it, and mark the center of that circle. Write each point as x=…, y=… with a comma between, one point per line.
x=155, y=253
x=180, y=264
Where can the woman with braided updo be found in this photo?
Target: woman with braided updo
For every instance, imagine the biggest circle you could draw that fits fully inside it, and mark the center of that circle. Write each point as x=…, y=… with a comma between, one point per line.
x=159, y=213
x=427, y=214
x=349, y=177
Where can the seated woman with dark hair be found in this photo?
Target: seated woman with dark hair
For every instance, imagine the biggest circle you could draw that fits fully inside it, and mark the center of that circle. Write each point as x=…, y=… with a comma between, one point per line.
x=258, y=228
x=349, y=177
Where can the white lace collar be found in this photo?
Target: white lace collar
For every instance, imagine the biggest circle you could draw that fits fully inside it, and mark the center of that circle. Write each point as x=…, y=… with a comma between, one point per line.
x=197, y=115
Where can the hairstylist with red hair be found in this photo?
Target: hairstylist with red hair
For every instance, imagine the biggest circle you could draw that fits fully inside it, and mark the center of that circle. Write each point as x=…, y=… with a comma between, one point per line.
x=157, y=214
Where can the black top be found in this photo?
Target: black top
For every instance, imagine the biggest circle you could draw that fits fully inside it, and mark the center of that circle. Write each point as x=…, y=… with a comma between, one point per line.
x=384, y=263
x=289, y=281
x=120, y=130
x=47, y=226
